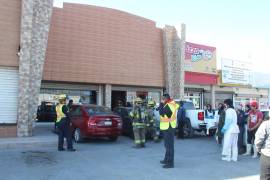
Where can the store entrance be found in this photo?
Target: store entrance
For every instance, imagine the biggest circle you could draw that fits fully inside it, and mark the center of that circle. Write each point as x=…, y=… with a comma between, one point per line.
x=118, y=98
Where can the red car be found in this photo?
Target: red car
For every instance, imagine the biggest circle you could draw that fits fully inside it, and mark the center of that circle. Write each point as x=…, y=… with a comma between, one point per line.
x=94, y=121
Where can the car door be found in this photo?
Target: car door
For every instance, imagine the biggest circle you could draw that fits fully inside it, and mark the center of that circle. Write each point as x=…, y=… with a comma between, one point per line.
x=76, y=117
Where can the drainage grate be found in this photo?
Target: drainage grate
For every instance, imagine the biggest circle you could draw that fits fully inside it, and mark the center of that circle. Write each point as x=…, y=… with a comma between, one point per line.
x=36, y=158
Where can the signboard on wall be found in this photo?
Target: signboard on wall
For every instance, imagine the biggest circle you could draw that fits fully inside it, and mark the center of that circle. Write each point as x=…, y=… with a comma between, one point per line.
x=236, y=72
x=200, y=58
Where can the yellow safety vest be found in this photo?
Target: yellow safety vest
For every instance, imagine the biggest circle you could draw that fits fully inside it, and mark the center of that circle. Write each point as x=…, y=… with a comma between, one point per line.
x=165, y=122
x=59, y=112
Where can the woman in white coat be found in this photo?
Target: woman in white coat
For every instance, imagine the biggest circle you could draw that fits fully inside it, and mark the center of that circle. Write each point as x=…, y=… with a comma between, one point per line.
x=230, y=131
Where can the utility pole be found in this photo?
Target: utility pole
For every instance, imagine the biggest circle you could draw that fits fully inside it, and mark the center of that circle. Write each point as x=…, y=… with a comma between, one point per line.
x=182, y=61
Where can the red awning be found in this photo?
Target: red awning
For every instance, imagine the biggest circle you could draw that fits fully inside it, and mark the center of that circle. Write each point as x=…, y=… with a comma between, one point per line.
x=200, y=78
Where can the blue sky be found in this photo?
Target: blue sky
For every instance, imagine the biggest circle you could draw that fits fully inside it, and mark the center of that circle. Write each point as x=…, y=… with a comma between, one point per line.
x=240, y=29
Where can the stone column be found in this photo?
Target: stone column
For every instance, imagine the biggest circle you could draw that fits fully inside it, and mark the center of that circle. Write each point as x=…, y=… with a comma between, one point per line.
x=172, y=56
x=100, y=93
x=35, y=25
x=182, y=62
x=213, y=97
x=108, y=95
x=24, y=68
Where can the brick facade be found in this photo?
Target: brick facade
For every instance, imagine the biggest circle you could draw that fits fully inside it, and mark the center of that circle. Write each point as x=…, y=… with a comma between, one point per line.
x=8, y=131
x=100, y=45
x=10, y=14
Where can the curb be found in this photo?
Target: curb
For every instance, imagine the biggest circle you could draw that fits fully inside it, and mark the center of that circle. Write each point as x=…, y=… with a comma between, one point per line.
x=16, y=143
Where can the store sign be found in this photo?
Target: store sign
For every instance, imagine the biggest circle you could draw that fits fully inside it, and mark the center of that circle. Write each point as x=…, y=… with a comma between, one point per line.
x=200, y=58
x=236, y=72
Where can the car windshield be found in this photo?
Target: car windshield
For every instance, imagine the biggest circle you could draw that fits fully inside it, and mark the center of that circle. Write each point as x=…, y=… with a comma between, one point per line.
x=98, y=110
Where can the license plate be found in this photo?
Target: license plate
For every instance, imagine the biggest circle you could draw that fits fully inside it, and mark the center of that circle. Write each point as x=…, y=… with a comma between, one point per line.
x=107, y=123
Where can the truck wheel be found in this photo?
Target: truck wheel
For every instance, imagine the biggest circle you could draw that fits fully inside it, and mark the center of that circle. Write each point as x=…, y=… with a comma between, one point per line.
x=188, y=130
x=78, y=136
x=212, y=132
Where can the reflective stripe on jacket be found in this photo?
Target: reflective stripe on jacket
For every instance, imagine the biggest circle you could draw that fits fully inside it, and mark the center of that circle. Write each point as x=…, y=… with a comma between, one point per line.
x=59, y=112
x=138, y=118
x=165, y=121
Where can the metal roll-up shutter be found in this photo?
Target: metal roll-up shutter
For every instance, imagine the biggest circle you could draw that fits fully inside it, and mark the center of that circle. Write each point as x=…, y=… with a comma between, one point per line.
x=9, y=82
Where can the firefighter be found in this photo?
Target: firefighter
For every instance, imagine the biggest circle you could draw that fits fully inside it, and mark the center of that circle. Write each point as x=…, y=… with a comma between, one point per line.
x=151, y=125
x=63, y=124
x=168, y=110
x=138, y=117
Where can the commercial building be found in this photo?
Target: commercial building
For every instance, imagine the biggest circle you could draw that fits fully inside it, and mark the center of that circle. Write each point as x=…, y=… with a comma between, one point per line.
x=94, y=55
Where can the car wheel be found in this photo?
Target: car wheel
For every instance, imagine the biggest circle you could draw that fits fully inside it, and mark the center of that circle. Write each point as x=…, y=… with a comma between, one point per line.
x=77, y=135
x=188, y=130
x=113, y=138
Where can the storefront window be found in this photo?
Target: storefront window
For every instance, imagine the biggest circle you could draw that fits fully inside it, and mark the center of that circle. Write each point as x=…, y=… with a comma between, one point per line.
x=195, y=98
x=78, y=96
x=154, y=96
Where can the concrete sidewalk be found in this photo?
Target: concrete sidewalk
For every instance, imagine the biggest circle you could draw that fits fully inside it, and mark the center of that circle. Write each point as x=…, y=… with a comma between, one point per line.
x=43, y=136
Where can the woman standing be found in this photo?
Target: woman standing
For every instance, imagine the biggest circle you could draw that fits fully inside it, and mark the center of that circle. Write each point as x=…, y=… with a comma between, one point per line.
x=209, y=112
x=230, y=131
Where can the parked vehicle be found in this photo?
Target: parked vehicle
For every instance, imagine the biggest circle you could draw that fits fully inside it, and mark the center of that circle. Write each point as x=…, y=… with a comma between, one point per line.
x=46, y=112
x=90, y=121
x=196, y=120
x=123, y=112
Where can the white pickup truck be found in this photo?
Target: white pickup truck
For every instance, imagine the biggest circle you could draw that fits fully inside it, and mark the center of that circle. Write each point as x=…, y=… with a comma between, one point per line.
x=196, y=120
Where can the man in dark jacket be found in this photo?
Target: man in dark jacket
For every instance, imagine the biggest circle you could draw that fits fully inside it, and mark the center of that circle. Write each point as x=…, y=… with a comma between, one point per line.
x=63, y=124
x=241, y=125
x=181, y=115
x=168, y=110
x=221, y=121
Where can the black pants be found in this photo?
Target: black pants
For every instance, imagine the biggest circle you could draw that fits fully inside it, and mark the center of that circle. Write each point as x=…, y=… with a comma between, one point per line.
x=169, y=145
x=181, y=129
x=251, y=136
x=265, y=167
x=64, y=132
x=240, y=142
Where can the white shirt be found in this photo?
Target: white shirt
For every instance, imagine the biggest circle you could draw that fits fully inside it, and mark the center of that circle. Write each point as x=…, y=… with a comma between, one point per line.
x=231, y=121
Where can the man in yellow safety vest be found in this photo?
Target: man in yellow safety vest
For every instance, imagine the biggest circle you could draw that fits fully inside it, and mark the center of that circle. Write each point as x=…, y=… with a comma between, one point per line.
x=63, y=124
x=168, y=110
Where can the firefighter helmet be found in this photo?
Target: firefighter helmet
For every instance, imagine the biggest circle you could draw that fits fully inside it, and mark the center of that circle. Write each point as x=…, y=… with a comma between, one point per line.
x=151, y=103
x=138, y=100
x=62, y=97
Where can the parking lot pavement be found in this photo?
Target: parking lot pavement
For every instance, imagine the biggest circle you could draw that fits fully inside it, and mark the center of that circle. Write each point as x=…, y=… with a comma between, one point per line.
x=195, y=159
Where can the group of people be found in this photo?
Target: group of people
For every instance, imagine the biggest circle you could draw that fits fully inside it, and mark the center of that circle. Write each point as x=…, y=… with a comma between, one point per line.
x=151, y=120
x=145, y=121
x=234, y=123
